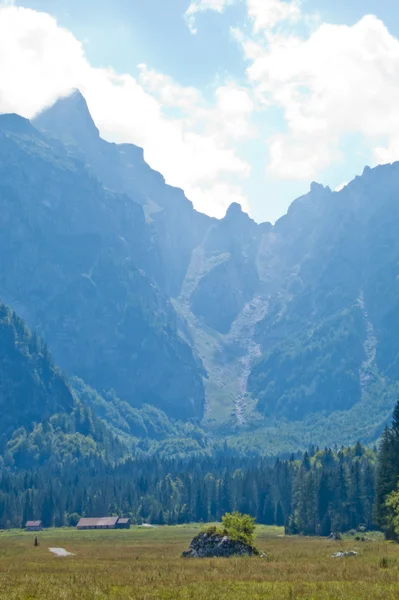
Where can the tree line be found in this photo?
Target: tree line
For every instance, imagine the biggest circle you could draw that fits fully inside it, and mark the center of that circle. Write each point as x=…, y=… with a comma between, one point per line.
x=320, y=491
x=316, y=493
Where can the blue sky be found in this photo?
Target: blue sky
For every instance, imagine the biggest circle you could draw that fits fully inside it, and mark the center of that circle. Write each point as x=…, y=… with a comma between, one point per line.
x=233, y=100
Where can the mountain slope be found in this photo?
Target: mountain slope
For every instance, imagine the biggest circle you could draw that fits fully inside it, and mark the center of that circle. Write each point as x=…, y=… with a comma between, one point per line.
x=175, y=225
x=75, y=259
x=41, y=417
x=295, y=323
x=230, y=277
x=339, y=255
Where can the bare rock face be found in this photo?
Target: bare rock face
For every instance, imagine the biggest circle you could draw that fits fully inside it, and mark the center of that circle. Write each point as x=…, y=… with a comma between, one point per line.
x=205, y=545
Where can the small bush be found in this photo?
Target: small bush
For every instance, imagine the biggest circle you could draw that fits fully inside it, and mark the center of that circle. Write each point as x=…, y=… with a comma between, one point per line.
x=236, y=526
x=239, y=527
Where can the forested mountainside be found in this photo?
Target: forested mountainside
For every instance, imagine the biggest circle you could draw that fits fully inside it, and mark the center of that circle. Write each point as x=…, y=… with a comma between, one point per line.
x=145, y=430
x=42, y=420
x=59, y=462
x=76, y=264
x=284, y=334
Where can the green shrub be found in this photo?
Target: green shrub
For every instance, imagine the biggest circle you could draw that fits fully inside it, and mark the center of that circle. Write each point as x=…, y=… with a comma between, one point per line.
x=392, y=516
x=239, y=527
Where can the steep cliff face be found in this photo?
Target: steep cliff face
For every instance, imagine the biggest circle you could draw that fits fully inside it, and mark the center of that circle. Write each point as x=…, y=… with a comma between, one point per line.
x=229, y=275
x=173, y=222
x=76, y=261
x=339, y=255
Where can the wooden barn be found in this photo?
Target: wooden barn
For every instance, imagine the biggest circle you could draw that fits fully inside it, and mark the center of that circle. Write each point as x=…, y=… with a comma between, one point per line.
x=97, y=523
x=33, y=526
x=123, y=524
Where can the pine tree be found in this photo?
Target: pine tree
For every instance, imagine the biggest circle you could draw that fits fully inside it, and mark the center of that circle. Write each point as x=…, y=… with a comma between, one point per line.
x=201, y=508
x=279, y=518
x=323, y=504
x=28, y=509
x=387, y=472
x=225, y=496
x=47, y=513
x=341, y=520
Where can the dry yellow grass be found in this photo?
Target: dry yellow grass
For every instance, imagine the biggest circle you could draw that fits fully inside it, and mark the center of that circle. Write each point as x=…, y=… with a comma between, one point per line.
x=145, y=564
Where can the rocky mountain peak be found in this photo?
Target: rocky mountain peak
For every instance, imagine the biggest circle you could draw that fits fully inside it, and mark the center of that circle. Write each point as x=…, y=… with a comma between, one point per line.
x=318, y=187
x=68, y=118
x=234, y=209
x=236, y=215
x=366, y=170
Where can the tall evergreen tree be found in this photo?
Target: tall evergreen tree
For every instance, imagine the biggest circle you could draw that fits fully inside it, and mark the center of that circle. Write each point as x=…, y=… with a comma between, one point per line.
x=279, y=518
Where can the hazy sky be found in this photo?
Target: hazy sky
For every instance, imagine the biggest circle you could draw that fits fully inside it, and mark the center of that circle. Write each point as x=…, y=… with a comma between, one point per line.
x=232, y=100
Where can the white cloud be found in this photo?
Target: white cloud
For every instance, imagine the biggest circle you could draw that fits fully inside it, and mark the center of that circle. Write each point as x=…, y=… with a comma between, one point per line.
x=339, y=81
x=389, y=153
x=198, y=6
x=222, y=195
x=168, y=92
x=267, y=14
x=336, y=81
x=195, y=149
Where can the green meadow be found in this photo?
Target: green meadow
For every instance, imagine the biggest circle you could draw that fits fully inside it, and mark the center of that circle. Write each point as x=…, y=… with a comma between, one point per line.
x=145, y=564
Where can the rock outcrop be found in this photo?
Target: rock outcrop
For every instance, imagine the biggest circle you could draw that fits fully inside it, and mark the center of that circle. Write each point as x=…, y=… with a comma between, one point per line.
x=205, y=545
x=344, y=554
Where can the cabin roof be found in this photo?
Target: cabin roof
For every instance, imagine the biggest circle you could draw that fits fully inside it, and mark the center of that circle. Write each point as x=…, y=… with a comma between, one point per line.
x=97, y=521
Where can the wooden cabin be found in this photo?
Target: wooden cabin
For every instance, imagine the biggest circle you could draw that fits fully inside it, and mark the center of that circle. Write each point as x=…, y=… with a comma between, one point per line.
x=33, y=526
x=123, y=524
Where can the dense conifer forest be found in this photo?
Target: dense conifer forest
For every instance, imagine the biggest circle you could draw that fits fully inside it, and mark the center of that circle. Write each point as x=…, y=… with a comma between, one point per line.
x=320, y=492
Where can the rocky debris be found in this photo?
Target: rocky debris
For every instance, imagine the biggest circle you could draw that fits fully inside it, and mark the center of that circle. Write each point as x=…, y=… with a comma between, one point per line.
x=205, y=545
x=242, y=334
x=344, y=554
x=334, y=536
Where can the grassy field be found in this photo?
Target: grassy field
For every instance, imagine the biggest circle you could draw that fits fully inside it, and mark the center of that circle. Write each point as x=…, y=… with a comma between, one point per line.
x=145, y=564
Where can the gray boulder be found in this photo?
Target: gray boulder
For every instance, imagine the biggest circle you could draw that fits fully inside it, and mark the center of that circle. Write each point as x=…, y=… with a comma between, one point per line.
x=205, y=545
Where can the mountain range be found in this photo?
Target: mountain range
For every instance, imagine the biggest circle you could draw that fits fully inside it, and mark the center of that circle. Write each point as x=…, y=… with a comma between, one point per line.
x=170, y=324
